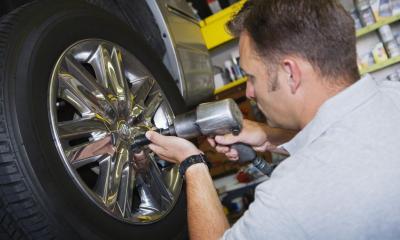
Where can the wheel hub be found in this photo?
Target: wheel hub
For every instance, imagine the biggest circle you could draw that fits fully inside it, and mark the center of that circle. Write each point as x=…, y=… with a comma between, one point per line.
x=125, y=132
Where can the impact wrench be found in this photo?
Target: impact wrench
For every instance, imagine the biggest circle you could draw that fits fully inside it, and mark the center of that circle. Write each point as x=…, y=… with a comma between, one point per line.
x=211, y=119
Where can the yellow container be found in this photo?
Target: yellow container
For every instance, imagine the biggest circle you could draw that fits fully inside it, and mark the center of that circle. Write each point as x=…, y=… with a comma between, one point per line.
x=214, y=29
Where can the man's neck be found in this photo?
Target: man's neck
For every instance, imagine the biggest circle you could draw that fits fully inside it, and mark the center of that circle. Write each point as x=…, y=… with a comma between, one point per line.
x=320, y=92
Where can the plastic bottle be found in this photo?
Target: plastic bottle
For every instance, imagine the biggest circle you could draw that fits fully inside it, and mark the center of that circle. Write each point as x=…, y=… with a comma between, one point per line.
x=395, y=7
x=228, y=68
x=385, y=8
x=214, y=6
x=386, y=33
x=365, y=12
x=357, y=21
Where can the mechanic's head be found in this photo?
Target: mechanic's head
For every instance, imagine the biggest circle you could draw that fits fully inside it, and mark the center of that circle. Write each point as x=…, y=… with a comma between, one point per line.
x=297, y=54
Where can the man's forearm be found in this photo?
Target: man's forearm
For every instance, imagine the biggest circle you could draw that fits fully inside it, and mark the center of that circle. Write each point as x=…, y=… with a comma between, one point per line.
x=205, y=213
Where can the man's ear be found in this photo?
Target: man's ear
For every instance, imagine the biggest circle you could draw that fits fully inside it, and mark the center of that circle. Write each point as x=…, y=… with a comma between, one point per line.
x=294, y=74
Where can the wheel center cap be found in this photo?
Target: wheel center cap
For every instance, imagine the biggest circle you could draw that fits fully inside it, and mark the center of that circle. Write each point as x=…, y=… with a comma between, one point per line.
x=124, y=130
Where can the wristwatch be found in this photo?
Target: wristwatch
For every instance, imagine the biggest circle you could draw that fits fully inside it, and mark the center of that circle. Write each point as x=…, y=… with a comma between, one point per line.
x=194, y=159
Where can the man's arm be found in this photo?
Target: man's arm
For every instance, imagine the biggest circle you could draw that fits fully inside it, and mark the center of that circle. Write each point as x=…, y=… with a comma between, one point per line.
x=258, y=135
x=205, y=213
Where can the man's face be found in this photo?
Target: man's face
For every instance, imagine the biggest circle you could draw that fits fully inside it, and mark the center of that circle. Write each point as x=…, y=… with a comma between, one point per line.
x=267, y=85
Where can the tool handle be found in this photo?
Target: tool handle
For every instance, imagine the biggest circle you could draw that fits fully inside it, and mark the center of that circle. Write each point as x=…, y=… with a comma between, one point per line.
x=247, y=154
x=245, y=151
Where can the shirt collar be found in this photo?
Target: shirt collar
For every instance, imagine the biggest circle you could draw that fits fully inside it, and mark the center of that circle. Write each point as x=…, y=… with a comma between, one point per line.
x=332, y=111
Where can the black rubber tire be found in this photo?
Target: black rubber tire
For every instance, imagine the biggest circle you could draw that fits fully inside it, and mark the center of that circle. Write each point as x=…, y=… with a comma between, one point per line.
x=38, y=200
x=137, y=15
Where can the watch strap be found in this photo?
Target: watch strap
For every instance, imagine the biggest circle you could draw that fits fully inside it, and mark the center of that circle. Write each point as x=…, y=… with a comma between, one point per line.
x=194, y=159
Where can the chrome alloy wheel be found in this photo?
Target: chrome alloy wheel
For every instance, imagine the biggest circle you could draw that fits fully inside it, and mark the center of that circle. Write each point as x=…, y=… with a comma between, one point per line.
x=100, y=98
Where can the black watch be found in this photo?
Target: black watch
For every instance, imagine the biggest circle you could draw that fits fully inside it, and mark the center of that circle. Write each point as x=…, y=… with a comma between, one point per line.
x=194, y=159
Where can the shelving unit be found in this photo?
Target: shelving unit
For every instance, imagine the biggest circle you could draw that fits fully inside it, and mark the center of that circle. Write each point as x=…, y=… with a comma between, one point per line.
x=375, y=26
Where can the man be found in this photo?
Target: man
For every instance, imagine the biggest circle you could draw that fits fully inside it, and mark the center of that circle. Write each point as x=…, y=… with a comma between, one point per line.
x=341, y=180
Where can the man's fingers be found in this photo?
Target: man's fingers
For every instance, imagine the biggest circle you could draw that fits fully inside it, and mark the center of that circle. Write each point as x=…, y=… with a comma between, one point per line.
x=222, y=149
x=211, y=141
x=155, y=137
x=158, y=149
x=227, y=139
x=232, y=156
x=233, y=152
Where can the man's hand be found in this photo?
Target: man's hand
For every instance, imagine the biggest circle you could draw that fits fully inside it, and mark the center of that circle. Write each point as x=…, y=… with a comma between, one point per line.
x=172, y=149
x=253, y=134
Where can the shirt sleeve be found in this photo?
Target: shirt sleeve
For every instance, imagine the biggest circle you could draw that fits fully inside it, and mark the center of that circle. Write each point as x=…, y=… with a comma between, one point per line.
x=265, y=219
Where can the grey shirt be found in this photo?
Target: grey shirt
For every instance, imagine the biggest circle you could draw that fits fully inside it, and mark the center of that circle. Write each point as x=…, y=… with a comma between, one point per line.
x=342, y=179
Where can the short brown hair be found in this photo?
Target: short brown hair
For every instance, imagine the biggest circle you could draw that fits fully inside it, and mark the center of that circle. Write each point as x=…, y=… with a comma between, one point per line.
x=320, y=31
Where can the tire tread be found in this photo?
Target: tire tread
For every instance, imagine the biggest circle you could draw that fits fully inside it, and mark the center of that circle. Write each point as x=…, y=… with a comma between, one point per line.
x=20, y=215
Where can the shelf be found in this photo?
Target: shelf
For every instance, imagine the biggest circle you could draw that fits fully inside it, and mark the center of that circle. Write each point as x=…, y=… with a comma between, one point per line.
x=230, y=85
x=213, y=28
x=373, y=27
x=379, y=66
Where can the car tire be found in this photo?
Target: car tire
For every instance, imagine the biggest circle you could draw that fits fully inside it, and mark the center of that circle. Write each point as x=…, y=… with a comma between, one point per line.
x=38, y=198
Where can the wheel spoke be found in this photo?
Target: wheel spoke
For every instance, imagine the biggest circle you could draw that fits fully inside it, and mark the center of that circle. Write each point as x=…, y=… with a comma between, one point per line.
x=99, y=61
x=155, y=196
x=79, y=105
x=164, y=116
x=89, y=152
x=143, y=90
x=89, y=82
x=125, y=192
x=121, y=159
x=141, y=94
x=80, y=128
x=154, y=102
x=103, y=180
x=74, y=87
x=158, y=180
x=118, y=79
x=109, y=69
